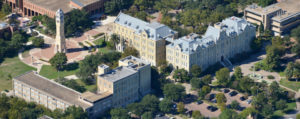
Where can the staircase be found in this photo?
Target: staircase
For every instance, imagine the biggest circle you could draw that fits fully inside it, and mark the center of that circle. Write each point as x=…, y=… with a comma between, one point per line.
x=226, y=63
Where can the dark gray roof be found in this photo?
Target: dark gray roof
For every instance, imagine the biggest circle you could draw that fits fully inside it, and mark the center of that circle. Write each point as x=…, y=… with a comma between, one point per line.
x=155, y=30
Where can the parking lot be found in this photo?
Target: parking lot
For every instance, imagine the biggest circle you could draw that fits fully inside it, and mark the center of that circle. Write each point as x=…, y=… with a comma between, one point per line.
x=203, y=109
x=236, y=97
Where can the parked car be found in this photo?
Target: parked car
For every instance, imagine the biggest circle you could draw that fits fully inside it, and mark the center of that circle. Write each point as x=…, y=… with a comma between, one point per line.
x=249, y=101
x=242, y=98
x=212, y=108
x=233, y=93
x=199, y=102
x=226, y=90
x=212, y=96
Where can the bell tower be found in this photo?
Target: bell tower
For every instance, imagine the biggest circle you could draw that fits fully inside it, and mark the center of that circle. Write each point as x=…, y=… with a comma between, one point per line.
x=60, y=42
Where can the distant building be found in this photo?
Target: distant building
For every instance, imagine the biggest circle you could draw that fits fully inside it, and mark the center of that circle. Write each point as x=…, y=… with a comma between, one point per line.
x=49, y=7
x=128, y=83
x=280, y=17
x=118, y=87
x=220, y=42
x=147, y=38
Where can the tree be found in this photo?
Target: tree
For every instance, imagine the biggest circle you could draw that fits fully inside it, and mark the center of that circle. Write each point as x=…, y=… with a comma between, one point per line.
x=204, y=91
x=174, y=92
x=181, y=74
x=114, y=40
x=223, y=76
x=207, y=79
x=245, y=84
x=259, y=101
x=196, y=70
x=136, y=108
x=228, y=114
x=281, y=105
x=196, y=114
x=71, y=84
x=75, y=113
x=221, y=99
x=59, y=61
x=6, y=9
x=238, y=73
x=130, y=51
x=180, y=107
x=196, y=83
x=246, y=112
x=147, y=115
x=235, y=105
x=272, y=60
x=267, y=110
x=256, y=44
x=37, y=41
x=17, y=41
x=166, y=106
x=114, y=6
x=289, y=70
x=119, y=113
x=150, y=103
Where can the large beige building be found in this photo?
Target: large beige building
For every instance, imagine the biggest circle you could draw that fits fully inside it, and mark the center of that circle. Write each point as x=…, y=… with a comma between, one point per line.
x=128, y=82
x=280, y=18
x=220, y=42
x=118, y=87
x=147, y=38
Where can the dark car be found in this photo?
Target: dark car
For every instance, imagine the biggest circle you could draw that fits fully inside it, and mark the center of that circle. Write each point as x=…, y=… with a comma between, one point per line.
x=233, y=93
x=226, y=90
x=212, y=108
x=199, y=102
x=212, y=96
x=242, y=98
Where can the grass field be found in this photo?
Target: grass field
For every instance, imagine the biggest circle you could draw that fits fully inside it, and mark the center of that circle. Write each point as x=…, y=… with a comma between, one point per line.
x=49, y=72
x=9, y=68
x=87, y=87
x=280, y=113
x=290, y=84
x=101, y=48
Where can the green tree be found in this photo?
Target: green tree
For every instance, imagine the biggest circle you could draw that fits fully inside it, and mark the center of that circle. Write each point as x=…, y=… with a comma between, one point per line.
x=235, y=105
x=207, y=79
x=181, y=74
x=59, y=61
x=6, y=9
x=267, y=110
x=204, y=91
x=136, y=108
x=166, y=106
x=37, y=41
x=289, y=70
x=228, y=114
x=196, y=70
x=150, y=103
x=75, y=113
x=114, y=40
x=223, y=76
x=245, y=84
x=114, y=6
x=17, y=41
x=281, y=105
x=180, y=107
x=196, y=114
x=130, y=51
x=196, y=83
x=71, y=84
x=147, y=115
x=119, y=113
x=256, y=44
x=221, y=99
x=238, y=73
x=174, y=92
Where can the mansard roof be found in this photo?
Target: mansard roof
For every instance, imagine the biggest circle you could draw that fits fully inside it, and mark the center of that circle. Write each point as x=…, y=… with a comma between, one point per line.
x=154, y=30
x=232, y=26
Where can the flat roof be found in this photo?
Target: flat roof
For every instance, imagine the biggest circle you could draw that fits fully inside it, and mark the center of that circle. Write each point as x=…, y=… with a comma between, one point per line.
x=117, y=74
x=54, y=5
x=93, y=97
x=52, y=88
x=134, y=62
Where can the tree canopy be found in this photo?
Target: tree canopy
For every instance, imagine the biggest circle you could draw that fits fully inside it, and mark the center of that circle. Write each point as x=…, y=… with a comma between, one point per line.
x=174, y=92
x=59, y=61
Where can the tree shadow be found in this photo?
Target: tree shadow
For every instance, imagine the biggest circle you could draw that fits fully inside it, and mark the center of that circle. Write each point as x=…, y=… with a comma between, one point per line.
x=72, y=66
x=71, y=50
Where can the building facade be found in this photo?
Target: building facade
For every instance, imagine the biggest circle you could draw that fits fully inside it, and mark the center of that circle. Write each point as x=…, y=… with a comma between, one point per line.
x=118, y=87
x=147, y=38
x=128, y=83
x=49, y=7
x=280, y=18
x=220, y=42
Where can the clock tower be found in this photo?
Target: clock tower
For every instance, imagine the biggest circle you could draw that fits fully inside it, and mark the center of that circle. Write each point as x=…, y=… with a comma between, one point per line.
x=60, y=42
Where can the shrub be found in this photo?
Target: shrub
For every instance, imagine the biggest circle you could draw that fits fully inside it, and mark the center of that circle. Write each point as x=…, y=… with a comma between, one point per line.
x=271, y=77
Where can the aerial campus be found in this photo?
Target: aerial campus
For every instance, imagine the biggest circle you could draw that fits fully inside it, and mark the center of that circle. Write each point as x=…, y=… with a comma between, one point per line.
x=149, y=59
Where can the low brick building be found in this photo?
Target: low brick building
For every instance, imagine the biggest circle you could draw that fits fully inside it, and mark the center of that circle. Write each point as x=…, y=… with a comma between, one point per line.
x=49, y=7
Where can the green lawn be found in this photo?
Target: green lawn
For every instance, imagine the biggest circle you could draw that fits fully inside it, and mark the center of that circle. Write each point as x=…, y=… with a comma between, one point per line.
x=11, y=67
x=280, y=113
x=49, y=72
x=290, y=84
x=99, y=42
x=87, y=87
